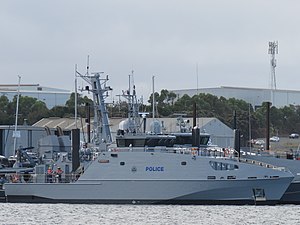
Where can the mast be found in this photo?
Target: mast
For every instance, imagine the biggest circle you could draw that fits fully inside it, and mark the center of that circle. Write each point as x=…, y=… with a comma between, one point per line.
x=98, y=92
x=153, y=99
x=75, y=96
x=197, y=73
x=134, y=124
x=16, y=133
x=102, y=132
x=250, y=136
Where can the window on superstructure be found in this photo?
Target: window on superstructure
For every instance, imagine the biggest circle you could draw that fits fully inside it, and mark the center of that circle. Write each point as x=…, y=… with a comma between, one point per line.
x=120, y=142
x=122, y=163
x=183, y=163
x=139, y=143
x=204, y=140
x=223, y=166
x=230, y=167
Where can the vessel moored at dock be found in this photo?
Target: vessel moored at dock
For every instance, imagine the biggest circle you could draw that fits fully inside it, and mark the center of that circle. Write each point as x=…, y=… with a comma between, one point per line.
x=161, y=176
x=154, y=175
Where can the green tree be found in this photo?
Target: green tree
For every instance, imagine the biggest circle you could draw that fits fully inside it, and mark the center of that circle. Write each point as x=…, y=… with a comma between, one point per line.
x=5, y=117
x=81, y=105
x=27, y=106
x=38, y=111
x=58, y=111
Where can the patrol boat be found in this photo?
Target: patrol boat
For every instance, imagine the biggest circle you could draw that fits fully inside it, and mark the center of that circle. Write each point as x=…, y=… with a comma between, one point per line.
x=160, y=176
x=132, y=131
x=155, y=175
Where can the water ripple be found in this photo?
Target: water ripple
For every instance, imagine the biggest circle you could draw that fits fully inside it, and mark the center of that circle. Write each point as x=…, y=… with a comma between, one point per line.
x=12, y=213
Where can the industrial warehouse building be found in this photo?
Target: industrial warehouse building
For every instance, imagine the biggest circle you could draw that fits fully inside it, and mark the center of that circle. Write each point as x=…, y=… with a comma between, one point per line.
x=254, y=96
x=51, y=96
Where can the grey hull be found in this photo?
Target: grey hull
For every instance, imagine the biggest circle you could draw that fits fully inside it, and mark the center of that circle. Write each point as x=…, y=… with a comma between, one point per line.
x=34, y=199
x=150, y=192
x=292, y=194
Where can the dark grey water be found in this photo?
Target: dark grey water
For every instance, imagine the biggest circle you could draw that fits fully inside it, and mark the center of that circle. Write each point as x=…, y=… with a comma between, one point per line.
x=146, y=214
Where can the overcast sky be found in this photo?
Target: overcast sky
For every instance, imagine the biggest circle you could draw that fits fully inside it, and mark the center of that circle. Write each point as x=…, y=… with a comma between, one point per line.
x=228, y=40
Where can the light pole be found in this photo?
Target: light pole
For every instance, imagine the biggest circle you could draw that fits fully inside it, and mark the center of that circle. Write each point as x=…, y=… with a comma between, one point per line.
x=16, y=133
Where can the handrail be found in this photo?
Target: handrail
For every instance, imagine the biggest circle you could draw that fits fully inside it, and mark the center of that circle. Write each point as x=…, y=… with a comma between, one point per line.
x=263, y=164
x=40, y=178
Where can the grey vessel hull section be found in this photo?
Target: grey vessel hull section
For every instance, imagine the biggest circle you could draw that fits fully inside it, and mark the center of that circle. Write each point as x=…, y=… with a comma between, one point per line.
x=292, y=194
x=147, y=192
x=160, y=178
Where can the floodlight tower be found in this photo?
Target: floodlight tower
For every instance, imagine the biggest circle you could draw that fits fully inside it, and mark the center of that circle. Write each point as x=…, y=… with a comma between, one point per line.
x=273, y=49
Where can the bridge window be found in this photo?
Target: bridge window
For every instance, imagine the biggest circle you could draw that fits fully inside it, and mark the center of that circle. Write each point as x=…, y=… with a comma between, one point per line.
x=223, y=166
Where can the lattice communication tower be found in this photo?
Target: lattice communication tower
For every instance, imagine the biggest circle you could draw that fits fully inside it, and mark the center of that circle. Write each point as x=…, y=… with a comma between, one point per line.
x=273, y=49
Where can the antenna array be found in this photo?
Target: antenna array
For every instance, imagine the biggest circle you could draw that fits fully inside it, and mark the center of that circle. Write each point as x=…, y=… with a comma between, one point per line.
x=273, y=49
